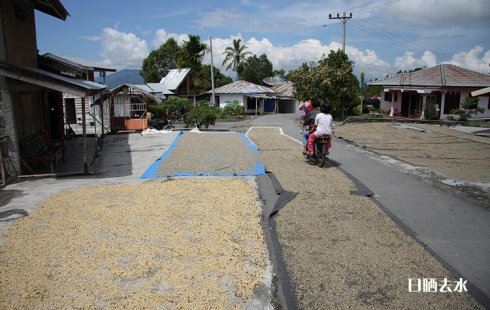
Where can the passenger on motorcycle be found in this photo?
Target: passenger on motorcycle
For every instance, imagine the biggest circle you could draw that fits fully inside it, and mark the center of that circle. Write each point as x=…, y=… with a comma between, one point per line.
x=309, y=121
x=323, y=121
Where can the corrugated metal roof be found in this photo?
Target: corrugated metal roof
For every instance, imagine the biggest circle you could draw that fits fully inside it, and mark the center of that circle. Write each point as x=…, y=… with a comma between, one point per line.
x=75, y=64
x=285, y=89
x=159, y=88
x=443, y=75
x=243, y=87
x=51, y=80
x=174, y=78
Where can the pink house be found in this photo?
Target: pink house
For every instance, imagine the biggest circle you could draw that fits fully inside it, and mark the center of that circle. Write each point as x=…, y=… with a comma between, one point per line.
x=441, y=88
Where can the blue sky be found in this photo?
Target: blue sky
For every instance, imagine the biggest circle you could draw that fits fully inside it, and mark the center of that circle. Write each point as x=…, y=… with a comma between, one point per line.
x=383, y=36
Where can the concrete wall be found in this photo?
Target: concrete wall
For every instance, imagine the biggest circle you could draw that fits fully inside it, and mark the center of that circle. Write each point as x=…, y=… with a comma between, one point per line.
x=386, y=105
x=229, y=98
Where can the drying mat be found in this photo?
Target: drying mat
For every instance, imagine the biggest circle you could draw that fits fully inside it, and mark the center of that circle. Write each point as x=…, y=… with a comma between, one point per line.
x=194, y=154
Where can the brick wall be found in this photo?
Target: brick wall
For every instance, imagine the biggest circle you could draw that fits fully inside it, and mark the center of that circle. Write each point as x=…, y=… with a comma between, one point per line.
x=19, y=32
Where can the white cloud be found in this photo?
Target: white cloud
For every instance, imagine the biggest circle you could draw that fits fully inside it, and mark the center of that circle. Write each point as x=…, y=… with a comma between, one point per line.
x=121, y=50
x=471, y=60
x=291, y=57
x=408, y=61
x=161, y=36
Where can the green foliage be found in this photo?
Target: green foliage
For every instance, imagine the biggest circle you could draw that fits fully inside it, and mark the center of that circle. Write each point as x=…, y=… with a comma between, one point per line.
x=192, y=53
x=156, y=110
x=412, y=70
x=357, y=110
x=280, y=73
x=233, y=109
x=256, y=69
x=160, y=61
x=172, y=104
x=331, y=80
x=468, y=109
x=202, y=114
x=235, y=56
x=371, y=91
x=430, y=111
x=205, y=77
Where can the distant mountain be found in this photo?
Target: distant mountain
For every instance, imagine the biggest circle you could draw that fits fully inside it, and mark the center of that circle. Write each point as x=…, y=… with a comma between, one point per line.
x=125, y=76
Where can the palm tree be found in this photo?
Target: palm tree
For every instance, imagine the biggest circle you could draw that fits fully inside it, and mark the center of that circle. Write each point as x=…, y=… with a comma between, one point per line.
x=193, y=52
x=235, y=56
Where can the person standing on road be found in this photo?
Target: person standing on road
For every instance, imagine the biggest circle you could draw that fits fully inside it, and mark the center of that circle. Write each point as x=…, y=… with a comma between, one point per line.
x=324, y=122
x=309, y=120
x=304, y=107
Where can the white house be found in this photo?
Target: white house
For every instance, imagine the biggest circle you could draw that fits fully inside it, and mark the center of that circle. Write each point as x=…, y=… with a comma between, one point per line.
x=444, y=87
x=253, y=97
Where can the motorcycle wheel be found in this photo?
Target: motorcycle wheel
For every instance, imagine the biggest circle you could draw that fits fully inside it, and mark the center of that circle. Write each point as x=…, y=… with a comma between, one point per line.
x=321, y=158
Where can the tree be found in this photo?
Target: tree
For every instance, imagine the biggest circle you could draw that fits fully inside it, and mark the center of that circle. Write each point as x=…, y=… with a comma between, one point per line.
x=205, y=77
x=280, y=73
x=256, y=69
x=235, y=56
x=192, y=53
x=331, y=80
x=160, y=61
x=363, y=76
x=411, y=70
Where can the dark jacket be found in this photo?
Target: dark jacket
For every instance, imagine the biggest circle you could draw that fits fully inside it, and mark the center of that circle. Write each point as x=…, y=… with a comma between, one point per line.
x=310, y=117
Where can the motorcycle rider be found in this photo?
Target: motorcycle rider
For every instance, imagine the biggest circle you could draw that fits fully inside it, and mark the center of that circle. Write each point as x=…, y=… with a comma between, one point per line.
x=309, y=120
x=324, y=122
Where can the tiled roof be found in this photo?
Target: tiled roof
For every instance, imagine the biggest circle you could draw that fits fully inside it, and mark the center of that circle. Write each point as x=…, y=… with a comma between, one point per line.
x=285, y=89
x=174, y=78
x=443, y=75
x=243, y=87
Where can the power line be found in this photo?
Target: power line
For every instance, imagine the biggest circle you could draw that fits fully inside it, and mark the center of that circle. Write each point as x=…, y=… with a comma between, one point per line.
x=399, y=42
x=361, y=9
x=363, y=4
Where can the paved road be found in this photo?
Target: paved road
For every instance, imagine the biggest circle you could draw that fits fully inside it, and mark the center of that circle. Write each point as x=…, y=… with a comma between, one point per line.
x=457, y=232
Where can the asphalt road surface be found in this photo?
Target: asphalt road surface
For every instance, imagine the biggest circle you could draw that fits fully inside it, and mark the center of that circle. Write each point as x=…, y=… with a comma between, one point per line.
x=453, y=229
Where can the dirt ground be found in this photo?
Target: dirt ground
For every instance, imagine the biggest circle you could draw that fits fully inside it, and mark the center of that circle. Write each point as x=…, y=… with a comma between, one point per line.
x=342, y=251
x=210, y=153
x=172, y=245
x=455, y=154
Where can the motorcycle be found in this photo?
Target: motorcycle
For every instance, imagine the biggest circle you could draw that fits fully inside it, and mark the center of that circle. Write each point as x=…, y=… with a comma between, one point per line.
x=320, y=150
x=161, y=124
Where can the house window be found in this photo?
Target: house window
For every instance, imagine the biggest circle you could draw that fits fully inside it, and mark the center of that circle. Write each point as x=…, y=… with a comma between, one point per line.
x=452, y=100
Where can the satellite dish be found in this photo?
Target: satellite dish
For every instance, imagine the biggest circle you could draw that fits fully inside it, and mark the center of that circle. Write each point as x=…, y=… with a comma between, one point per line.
x=273, y=80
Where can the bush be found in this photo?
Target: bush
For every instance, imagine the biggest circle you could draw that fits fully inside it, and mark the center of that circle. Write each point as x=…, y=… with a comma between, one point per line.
x=172, y=104
x=469, y=107
x=156, y=110
x=357, y=110
x=202, y=114
x=233, y=109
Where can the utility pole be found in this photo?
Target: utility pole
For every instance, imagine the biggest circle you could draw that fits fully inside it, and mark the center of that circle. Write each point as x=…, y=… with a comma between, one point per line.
x=344, y=20
x=213, y=100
